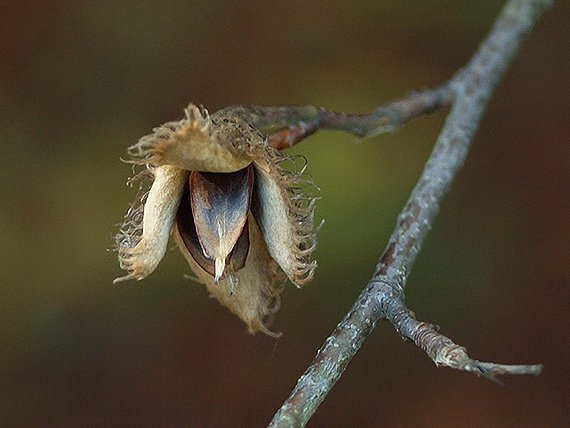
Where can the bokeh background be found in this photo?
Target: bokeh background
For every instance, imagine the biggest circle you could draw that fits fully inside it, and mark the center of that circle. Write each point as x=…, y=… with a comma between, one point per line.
x=82, y=80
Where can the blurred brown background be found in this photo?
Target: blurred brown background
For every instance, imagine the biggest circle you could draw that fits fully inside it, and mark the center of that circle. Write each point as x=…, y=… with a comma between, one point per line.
x=80, y=81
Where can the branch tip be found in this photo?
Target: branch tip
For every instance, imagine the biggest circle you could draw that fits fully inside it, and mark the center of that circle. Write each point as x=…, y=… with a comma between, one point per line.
x=492, y=370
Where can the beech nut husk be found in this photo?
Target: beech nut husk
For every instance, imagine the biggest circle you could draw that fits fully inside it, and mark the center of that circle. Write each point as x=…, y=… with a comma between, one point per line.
x=237, y=216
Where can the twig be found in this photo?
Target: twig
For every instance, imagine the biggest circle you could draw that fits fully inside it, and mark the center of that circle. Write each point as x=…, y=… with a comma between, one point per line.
x=385, y=118
x=383, y=297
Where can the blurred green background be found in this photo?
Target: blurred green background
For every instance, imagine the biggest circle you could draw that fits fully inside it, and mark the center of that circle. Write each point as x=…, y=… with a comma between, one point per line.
x=80, y=81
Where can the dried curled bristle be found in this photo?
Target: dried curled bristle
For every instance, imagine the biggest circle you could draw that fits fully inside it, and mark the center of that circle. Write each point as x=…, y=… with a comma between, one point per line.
x=195, y=143
x=131, y=230
x=143, y=238
x=149, y=149
x=302, y=206
x=289, y=231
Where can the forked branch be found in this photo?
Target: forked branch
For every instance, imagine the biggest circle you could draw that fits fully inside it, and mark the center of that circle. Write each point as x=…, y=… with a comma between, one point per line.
x=471, y=89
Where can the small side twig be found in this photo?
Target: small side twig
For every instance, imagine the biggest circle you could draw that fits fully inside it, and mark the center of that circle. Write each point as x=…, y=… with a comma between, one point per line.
x=386, y=118
x=442, y=350
x=383, y=297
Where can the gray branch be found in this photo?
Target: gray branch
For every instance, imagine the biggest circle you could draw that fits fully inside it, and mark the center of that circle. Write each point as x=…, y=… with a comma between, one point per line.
x=383, y=297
